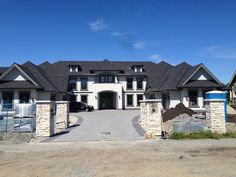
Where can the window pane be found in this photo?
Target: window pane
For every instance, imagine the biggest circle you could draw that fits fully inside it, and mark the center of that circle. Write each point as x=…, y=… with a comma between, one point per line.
x=7, y=98
x=140, y=83
x=102, y=79
x=84, y=98
x=139, y=97
x=24, y=97
x=110, y=78
x=72, y=83
x=129, y=83
x=84, y=83
x=129, y=100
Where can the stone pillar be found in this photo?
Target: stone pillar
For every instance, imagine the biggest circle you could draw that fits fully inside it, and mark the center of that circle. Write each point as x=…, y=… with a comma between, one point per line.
x=44, y=118
x=62, y=115
x=151, y=118
x=215, y=115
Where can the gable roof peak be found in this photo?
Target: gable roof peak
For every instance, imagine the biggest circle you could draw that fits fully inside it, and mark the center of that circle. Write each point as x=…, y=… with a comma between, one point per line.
x=45, y=63
x=165, y=63
x=183, y=64
x=106, y=60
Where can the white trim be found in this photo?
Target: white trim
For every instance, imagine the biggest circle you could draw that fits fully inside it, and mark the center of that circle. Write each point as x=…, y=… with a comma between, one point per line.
x=205, y=68
x=17, y=67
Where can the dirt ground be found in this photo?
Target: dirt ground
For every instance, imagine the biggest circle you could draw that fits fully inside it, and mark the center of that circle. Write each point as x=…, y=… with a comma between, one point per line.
x=146, y=158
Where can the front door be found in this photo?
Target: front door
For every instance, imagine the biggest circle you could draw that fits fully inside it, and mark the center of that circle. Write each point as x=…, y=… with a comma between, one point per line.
x=107, y=100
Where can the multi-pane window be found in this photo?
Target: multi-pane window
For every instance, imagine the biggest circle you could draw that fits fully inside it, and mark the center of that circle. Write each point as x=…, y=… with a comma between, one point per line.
x=84, y=98
x=129, y=82
x=24, y=97
x=84, y=83
x=139, y=97
x=193, y=95
x=74, y=68
x=72, y=83
x=129, y=100
x=7, y=100
x=139, y=83
x=106, y=78
x=138, y=68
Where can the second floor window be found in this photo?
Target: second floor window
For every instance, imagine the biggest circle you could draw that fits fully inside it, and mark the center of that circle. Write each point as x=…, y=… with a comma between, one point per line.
x=72, y=83
x=106, y=78
x=84, y=83
x=129, y=82
x=139, y=83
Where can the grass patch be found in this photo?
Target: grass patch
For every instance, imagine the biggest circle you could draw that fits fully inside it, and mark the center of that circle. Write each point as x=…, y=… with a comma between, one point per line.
x=201, y=135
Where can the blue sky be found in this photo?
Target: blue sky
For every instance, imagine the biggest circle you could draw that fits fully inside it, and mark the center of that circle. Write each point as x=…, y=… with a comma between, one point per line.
x=170, y=30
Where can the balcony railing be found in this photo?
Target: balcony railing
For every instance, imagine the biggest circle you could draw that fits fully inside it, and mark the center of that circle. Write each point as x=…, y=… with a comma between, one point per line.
x=20, y=110
x=25, y=110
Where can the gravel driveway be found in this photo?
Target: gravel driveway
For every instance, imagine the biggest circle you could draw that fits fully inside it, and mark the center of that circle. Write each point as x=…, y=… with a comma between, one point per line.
x=104, y=125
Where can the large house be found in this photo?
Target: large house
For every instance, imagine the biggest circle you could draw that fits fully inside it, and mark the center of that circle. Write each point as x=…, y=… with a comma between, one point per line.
x=106, y=84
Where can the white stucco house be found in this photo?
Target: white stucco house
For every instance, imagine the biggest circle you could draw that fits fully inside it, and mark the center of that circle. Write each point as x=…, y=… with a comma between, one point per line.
x=105, y=84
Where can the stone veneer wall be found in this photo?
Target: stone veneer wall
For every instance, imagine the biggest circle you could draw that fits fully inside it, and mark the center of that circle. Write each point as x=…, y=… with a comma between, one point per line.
x=44, y=118
x=215, y=115
x=151, y=118
x=62, y=115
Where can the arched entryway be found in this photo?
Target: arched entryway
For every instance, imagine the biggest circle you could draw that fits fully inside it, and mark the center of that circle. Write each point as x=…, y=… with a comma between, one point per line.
x=107, y=100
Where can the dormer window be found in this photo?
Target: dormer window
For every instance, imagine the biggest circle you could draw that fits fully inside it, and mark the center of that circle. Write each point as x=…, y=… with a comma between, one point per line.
x=74, y=68
x=138, y=68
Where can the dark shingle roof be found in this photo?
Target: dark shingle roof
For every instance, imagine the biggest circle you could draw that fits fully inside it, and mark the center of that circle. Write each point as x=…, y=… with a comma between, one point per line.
x=160, y=77
x=2, y=70
x=40, y=76
x=17, y=85
x=201, y=83
x=173, y=76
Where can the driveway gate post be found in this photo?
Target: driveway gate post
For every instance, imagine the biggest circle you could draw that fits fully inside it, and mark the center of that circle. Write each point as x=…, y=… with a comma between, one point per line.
x=151, y=117
x=215, y=104
x=62, y=115
x=44, y=118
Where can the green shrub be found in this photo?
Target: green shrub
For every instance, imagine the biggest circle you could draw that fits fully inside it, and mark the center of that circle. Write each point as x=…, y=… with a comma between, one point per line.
x=177, y=135
x=229, y=135
x=201, y=135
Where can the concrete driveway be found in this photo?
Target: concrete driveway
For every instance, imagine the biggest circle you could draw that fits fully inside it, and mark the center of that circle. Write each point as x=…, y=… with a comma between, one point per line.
x=104, y=125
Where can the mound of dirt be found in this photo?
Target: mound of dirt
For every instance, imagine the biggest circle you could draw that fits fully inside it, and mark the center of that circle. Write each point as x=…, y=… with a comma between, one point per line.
x=174, y=112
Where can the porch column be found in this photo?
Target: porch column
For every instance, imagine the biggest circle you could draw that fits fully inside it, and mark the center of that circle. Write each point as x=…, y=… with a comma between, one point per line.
x=16, y=98
x=62, y=115
x=200, y=98
x=151, y=118
x=44, y=118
